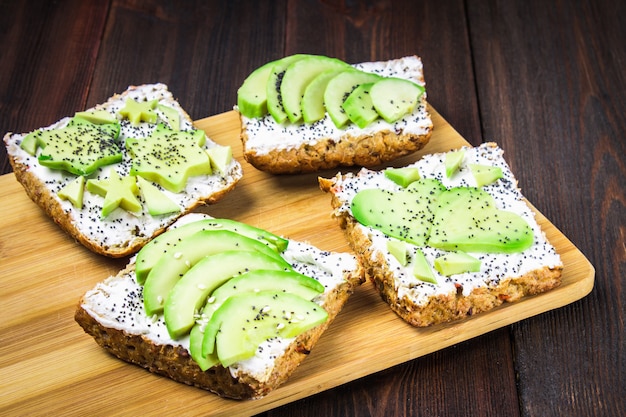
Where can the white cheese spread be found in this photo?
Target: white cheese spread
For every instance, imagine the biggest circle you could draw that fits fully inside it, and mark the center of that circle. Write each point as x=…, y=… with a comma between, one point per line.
x=494, y=267
x=265, y=135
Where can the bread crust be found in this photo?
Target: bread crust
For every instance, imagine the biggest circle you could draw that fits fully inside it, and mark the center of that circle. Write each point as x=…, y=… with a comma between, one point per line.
x=363, y=150
x=40, y=194
x=440, y=308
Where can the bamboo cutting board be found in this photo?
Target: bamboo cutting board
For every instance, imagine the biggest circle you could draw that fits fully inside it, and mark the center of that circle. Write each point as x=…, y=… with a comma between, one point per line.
x=48, y=365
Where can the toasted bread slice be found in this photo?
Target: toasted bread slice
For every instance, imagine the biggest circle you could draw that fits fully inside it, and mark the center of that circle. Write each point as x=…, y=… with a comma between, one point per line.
x=113, y=313
x=290, y=148
x=121, y=232
x=502, y=277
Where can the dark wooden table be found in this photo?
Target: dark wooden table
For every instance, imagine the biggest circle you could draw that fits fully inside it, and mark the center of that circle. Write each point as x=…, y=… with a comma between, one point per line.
x=544, y=79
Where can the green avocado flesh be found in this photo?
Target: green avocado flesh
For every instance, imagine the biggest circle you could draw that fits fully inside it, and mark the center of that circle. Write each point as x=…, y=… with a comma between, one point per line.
x=227, y=292
x=191, y=290
x=304, y=88
x=169, y=157
x=117, y=192
x=246, y=320
x=79, y=148
x=174, y=264
x=150, y=254
x=156, y=201
x=456, y=263
x=394, y=97
x=298, y=76
x=461, y=218
x=339, y=88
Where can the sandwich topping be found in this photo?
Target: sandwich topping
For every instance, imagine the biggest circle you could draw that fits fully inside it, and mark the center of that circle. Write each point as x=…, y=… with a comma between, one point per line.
x=459, y=234
x=274, y=286
x=265, y=134
x=86, y=162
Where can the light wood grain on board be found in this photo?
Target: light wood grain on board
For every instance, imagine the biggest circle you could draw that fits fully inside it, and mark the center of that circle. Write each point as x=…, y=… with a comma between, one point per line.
x=49, y=366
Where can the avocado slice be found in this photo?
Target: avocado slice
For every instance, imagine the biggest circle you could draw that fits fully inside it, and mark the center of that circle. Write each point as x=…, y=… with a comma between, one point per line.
x=117, y=192
x=252, y=95
x=394, y=97
x=312, y=103
x=150, y=254
x=297, y=77
x=485, y=174
x=274, y=96
x=403, y=176
x=339, y=88
x=244, y=321
x=453, y=161
x=421, y=268
x=174, y=264
x=74, y=192
x=190, y=292
x=359, y=107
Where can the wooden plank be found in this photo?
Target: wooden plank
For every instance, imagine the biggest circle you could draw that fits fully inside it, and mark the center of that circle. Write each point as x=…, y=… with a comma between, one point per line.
x=49, y=52
x=557, y=104
x=49, y=365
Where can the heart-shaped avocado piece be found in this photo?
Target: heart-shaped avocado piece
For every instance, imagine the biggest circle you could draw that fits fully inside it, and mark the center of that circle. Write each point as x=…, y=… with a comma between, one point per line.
x=457, y=219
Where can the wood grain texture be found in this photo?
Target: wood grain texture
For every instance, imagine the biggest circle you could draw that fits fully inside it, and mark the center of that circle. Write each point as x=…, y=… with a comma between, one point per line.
x=557, y=113
x=38, y=327
x=544, y=79
x=48, y=55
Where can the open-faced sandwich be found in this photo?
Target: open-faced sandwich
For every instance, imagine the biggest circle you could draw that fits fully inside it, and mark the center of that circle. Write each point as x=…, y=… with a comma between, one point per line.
x=220, y=305
x=303, y=113
x=116, y=175
x=446, y=237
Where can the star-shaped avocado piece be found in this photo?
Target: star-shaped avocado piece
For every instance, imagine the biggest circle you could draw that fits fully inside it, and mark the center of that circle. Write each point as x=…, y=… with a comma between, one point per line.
x=169, y=157
x=139, y=111
x=80, y=148
x=117, y=192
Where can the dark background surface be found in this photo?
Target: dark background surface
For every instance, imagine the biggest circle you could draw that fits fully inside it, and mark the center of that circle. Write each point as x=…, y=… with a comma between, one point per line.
x=543, y=79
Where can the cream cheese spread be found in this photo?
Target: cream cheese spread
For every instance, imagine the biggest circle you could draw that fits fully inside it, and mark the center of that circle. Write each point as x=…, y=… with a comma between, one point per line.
x=122, y=227
x=494, y=267
x=265, y=135
x=117, y=303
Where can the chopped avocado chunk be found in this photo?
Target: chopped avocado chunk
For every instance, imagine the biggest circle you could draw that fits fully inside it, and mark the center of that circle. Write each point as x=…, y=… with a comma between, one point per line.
x=453, y=161
x=117, y=192
x=456, y=263
x=403, y=176
x=98, y=117
x=394, y=97
x=169, y=157
x=138, y=112
x=220, y=156
x=421, y=268
x=79, y=148
x=30, y=143
x=244, y=321
x=397, y=248
x=156, y=201
x=485, y=174
x=172, y=116
x=73, y=192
